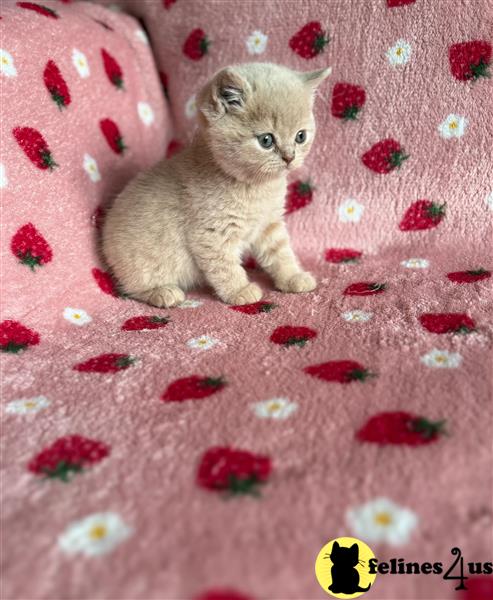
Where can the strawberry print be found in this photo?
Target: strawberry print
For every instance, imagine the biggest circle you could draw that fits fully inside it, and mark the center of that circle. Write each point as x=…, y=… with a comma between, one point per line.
x=173, y=148
x=422, y=214
x=106, y=282
x=292, y=336
x=447, y=322
x=470, y=60
x=97, y=221
x=347, y=101
x=14, y=337
x=469, y=276
x=478, y=588
x=194, y=387
x=196, y=45
x=309, y=41
x=67, y=456
x=112, y=135
x=168, y=3
x=233, y=471
x=342, y=255
x=34, y=147
x=364, y=288
x=56, y=86
x=106, y=363
x=255, y=308
x=400, y=428
x=299, y=194
x=30, y=247
x=112, y=69
x=222, y=594
x=144, y=322
x=384, y=156
x=395, y=3
x=39, y=8
x=339, y=371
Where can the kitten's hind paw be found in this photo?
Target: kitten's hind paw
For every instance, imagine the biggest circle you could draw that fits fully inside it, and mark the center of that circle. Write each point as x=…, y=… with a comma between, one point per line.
x=248, y=295
x=165, y=296
x=301, y=282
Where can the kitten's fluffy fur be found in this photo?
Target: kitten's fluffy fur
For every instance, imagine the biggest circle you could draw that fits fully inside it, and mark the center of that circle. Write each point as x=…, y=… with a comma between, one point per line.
x=190, y=219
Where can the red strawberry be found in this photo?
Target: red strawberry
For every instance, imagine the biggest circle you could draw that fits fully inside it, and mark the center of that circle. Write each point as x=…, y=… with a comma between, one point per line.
x=400, y=428
x=299, y=194
x=364, y=288
x=56, y=86
x=222, y=594
x=469, y=276
x=422, y=214
x=250, y=263
x=340, y=371
x=140, y=323
x=347, y=101
x=106, y=283
x=112, y=134
x=232, y=470
x=342, y=255
x=478, y=588
x=192, y=388
x=97, y=220
x=168, y=3
x=67, y=456
x=30, y=247
x=112, y=69
x=310, y=40
x=255, y=308
x=447, y=322
x=173, y=148
x=292, y=336
x=470, y=60
x=394, y=3
x=196, y=45
x=384, y=156
x=164, y=82
x=39, y=8
x=106, y=363
x=34, y=147
x=14, y=337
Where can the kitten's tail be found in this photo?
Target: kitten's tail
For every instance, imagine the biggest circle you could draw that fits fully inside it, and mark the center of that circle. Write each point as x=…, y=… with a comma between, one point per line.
x=360, y=589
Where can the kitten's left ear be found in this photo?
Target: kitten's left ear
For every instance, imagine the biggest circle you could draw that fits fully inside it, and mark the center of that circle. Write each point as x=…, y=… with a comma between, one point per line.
x=313, y=79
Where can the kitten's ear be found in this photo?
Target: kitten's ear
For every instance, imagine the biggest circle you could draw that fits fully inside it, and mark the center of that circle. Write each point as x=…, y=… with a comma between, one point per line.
x=335, y=546
x=355, y=549
x=227, y=92
x=313, y=79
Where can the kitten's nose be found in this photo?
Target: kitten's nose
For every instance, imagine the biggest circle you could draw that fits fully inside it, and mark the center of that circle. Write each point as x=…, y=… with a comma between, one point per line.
x=288, y=158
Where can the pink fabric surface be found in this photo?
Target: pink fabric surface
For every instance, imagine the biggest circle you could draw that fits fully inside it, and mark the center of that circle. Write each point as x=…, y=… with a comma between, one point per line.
x=171, y=537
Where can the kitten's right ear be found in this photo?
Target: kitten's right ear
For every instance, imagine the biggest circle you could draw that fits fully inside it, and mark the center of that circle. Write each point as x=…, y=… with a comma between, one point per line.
x=227, y=92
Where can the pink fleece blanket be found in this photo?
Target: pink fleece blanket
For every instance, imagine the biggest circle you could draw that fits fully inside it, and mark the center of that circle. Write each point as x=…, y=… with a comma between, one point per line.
x=209, y=452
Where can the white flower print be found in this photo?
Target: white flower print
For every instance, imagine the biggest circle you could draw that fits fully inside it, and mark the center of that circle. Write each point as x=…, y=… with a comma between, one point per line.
x=77, y=316
x=350, y=211
x=256, y=42
x=381, y=520
x=356, y=316
x=441, y=359
x=191, y=107
x=3, y=177
x=399, y=54
x=146, y=113
x=91, y=168
x=141, y=35
x=190, y=303
x=7, y=66
x=80, y=63
x=27, y=406
x=454, y=126
x=94, y=535
x=276, y=408
x=416, y=263
x=204, y=342
x=489, y=201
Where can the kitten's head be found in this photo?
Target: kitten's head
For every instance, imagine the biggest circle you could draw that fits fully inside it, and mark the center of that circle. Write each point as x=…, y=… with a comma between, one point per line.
x=341, y=555
x=258, y=119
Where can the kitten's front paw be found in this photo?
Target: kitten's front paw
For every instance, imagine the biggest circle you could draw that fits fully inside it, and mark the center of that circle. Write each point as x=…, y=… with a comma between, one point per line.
x=248, y=295
x=301, y=282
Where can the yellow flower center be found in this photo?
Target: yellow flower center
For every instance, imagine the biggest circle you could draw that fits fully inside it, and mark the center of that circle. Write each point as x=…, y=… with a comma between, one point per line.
x=440, y=358
x=5, y=60
x=202, y=342
x=98, y=532
x=399, y=51
x=274, y=407
x=355, y=317
x=29, y=404
x=76, y=316
x=383, y=519
x=81, y=62
x=453, y=125
x=350, y=209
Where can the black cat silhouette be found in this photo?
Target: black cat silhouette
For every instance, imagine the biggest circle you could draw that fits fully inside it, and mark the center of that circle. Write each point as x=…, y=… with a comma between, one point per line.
x=345, y=577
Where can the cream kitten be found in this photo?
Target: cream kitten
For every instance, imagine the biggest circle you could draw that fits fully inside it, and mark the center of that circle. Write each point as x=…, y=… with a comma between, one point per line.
x=189, y=220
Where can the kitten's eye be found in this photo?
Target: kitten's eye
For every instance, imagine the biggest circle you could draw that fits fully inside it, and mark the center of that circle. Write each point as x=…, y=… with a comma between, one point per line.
x=300, y=136
x=266, y=140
